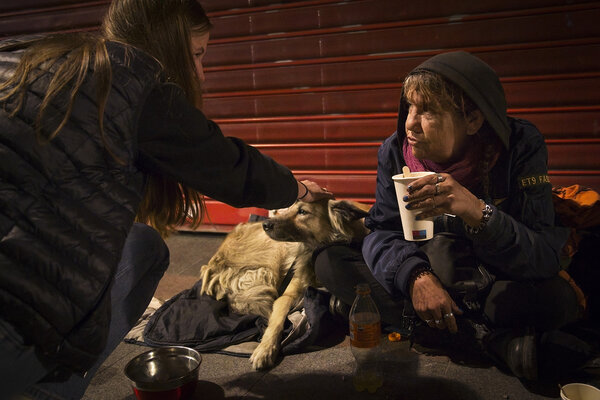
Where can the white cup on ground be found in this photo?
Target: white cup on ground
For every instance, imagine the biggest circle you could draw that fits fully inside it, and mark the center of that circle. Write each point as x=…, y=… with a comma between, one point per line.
x=413, y=230
x=579, y=391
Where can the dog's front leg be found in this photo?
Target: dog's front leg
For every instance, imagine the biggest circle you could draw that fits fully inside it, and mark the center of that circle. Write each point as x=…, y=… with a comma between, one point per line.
x=266, y=352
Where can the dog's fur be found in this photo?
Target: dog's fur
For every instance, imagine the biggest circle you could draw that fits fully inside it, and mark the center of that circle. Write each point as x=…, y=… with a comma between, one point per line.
x=254, y=258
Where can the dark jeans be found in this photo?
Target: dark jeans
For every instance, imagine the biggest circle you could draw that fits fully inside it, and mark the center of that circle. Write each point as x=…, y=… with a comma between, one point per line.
x=143, y=262
x=340, y=268
x=546, y=305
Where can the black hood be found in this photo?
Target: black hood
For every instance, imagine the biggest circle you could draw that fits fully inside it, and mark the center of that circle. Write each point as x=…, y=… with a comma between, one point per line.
x=478, y=80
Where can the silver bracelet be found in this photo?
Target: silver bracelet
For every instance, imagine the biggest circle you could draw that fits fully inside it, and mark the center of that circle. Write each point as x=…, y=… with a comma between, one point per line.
x=305, y=193
x=487, y=214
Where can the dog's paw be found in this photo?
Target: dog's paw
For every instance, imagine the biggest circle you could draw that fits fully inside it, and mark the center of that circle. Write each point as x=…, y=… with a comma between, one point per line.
x=264, y=356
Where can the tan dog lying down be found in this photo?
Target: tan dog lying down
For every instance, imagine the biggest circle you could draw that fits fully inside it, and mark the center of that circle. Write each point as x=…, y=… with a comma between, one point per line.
x=254, y=258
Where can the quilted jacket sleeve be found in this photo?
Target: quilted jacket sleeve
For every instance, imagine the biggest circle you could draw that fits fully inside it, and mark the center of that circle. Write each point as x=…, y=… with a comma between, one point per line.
x=177, y=139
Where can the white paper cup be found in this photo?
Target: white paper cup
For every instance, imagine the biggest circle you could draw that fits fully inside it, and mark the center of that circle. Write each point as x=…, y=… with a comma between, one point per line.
x=413, y=230
x=579, y=391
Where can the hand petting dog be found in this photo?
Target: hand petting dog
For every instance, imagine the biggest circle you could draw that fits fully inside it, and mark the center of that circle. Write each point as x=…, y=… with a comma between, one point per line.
x=309, y=191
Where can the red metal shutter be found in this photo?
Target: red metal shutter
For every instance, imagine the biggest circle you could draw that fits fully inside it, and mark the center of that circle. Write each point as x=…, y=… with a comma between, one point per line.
x=315, y=83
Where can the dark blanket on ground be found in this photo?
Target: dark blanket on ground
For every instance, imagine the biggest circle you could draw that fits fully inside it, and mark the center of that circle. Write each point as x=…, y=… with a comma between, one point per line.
x=201, y=322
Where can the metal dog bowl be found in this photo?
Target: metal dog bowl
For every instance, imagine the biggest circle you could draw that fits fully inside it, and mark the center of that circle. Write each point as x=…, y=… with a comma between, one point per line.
x=165, y=373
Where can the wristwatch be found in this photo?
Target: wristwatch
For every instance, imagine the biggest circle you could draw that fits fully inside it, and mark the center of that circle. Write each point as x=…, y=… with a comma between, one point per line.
x=487, y=214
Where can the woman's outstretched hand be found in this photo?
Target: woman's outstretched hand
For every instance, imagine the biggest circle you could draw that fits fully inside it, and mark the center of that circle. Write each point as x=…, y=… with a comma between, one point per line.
x=441, y=194
x=309, y=191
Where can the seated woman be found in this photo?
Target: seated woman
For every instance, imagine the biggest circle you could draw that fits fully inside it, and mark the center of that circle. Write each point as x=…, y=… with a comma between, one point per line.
x=490, y=194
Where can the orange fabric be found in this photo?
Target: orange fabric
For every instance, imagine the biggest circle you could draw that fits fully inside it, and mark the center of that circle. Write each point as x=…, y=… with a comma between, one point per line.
x=577, y=207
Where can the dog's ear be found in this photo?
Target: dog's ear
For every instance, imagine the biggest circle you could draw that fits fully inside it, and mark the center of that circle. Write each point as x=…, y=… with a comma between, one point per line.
x=348, y=210
x=344, y=216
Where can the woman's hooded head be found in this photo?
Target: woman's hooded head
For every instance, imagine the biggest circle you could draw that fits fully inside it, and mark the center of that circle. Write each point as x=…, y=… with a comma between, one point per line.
x=476, y=79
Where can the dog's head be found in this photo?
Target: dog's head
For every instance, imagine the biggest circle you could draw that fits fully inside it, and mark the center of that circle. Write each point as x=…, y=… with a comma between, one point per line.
x=318, y=223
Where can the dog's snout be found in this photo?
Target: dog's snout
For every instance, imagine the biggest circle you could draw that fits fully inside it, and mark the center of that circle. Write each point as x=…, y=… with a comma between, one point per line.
x=268, y=225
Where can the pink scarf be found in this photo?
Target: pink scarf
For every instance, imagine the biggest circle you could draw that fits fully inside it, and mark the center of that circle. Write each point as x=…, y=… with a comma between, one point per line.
x=466, y=170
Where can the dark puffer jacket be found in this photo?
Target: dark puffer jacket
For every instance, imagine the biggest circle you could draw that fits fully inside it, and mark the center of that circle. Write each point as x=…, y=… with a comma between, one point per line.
x=67, y=207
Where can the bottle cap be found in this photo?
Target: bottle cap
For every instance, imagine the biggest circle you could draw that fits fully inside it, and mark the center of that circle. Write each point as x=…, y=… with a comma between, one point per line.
x=363, y=288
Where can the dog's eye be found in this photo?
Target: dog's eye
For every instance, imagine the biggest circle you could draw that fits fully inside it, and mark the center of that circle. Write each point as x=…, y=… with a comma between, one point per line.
x=301, y=212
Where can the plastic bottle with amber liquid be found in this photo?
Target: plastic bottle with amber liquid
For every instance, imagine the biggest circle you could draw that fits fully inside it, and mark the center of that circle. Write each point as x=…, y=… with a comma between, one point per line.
x=365, y=338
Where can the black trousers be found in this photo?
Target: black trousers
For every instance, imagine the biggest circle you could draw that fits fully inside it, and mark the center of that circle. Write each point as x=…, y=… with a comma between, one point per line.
x=545, y=305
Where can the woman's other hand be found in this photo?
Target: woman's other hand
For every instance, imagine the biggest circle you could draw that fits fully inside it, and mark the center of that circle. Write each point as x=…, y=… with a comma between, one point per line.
x=441, y=194
x=433, y=304
x=309, y=191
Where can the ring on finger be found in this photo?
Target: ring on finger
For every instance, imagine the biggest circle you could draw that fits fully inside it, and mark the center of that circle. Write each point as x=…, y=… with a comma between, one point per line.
x=440, y=178
x=438, y=321
x=428, y=321
x=448, y=315
x=437, y=188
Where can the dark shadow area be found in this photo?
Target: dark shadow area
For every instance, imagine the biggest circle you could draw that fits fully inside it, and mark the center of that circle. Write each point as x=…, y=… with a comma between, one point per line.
x=327, y=386
x=550, y=387
x=208, y=391
x=334, y=335
x=461, y=348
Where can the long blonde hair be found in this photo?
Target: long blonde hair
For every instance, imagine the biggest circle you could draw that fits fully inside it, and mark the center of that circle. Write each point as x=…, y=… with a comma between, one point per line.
x=161, y=28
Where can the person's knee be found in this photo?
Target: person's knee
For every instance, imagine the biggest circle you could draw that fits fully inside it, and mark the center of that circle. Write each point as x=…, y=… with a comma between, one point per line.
x=327, y=263
x=545, y=305
x=560, y=303
x=152, y=244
